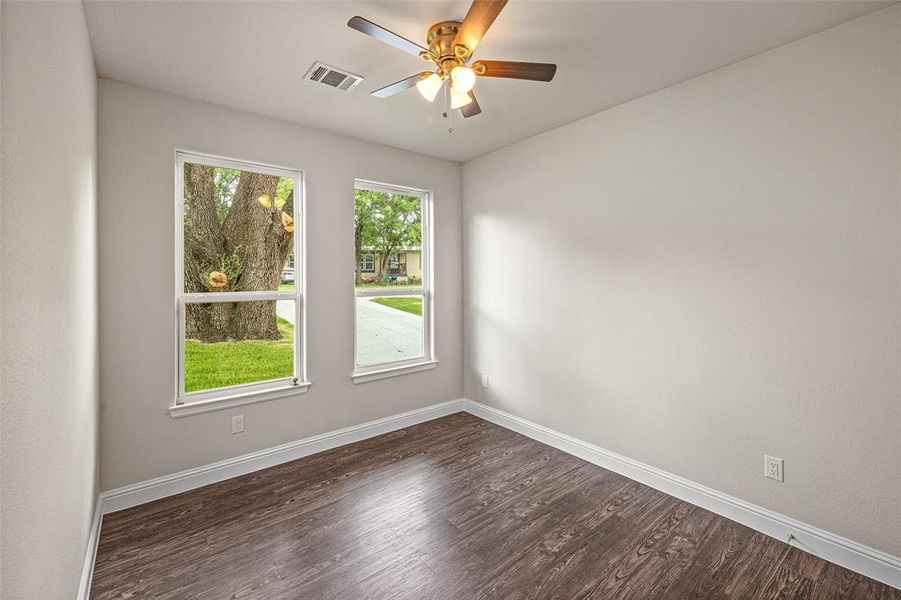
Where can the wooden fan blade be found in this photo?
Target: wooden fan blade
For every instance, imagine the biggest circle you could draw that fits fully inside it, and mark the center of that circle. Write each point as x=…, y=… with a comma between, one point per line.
x=471, y=109
x=515, y=70
x=383, y=35
x=481, y=15
x=399, y=86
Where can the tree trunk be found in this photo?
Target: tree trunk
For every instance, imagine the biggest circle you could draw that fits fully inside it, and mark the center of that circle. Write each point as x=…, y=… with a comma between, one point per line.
x=250, y=246
x=384, y=259
x=358, y=253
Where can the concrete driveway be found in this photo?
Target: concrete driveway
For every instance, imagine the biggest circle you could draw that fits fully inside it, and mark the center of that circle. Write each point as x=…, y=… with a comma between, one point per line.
x=384, y=334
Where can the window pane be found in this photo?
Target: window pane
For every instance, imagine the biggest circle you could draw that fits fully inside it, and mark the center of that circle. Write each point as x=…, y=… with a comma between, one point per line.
x=238, y=230
x=388, y=238
x=288, y=276
x=389, y=329
x=232, y=343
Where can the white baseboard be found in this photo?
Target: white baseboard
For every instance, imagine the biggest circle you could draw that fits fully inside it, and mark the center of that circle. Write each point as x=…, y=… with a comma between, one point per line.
x=87, y=571
x=841, y=551
x=169, y=485
x=834, y=548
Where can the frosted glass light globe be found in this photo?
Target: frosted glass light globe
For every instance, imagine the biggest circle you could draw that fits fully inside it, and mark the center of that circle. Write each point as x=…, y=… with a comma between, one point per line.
x=429, y=86
x=459, y=100
x=462, y=78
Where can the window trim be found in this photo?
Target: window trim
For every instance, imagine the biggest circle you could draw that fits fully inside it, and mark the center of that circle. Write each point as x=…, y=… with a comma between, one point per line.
x=187, y=403
x=371, y=261
x=429, y=359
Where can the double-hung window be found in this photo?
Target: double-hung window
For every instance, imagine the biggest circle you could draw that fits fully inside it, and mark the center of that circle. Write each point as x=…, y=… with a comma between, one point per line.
x=393, y=281
x=239, y=282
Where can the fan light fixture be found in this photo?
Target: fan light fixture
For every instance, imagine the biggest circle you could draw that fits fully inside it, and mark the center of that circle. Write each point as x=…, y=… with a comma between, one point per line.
x=462, y=79
x=449, y=47
x=458, y=99
x=430, y=86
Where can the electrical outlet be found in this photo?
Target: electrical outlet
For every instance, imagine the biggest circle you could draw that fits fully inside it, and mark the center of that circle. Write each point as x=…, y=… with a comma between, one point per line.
x=772, y=468
x=485, y=382
x=237, y=423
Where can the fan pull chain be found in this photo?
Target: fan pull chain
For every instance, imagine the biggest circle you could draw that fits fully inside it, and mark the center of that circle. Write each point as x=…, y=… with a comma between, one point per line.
x=447, y=110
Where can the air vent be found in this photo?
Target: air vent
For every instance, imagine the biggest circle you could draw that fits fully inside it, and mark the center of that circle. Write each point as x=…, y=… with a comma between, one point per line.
x=332, y=77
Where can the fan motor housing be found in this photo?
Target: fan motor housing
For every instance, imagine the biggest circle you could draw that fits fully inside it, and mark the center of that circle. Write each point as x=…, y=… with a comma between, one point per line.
x=440, y=39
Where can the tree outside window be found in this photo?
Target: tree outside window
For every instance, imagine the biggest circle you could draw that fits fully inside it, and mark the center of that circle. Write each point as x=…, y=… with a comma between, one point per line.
x=384, y=224
x=239, y=310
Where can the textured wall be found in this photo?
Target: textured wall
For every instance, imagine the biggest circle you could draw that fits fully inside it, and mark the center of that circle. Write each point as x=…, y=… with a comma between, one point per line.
x=139, y=131
x=708, y=274
x=48, y=299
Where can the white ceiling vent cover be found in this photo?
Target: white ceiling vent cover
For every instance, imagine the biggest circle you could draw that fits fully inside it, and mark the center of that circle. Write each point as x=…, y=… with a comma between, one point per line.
x=337, y=78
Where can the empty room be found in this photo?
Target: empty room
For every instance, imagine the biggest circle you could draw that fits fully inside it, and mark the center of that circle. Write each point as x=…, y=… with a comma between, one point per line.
x=450, y=299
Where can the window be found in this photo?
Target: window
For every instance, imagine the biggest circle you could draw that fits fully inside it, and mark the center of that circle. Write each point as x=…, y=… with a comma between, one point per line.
x=393, y=292
x=239, y=288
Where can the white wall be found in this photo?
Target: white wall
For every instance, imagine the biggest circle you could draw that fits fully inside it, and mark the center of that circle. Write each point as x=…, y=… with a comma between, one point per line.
x=139, y=131
x=711, y=273
x=48, y=311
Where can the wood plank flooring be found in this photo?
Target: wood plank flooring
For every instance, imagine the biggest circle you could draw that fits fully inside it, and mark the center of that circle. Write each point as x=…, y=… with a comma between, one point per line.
x=456, y=508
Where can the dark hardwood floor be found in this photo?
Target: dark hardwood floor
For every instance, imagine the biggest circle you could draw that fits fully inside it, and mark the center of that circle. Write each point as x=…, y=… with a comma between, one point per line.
x=456, y=508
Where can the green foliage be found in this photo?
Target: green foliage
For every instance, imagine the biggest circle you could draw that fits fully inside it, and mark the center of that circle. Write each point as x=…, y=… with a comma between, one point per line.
x=226, y=182
x=407, y=304
x=220, y=364
x=386, y=222
x=231, y=264
x=283, y=189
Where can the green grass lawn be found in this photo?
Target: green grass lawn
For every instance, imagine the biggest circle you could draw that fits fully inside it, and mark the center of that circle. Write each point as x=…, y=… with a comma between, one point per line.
x=220, y=364
x=410, y=305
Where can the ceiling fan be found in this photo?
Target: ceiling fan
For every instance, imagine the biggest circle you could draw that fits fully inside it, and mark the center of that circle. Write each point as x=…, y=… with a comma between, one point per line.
x=450, y=48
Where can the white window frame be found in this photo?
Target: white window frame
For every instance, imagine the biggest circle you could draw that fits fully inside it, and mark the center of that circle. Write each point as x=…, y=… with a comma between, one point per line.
x=428, y=360
x=188, y=403
x=371, y=260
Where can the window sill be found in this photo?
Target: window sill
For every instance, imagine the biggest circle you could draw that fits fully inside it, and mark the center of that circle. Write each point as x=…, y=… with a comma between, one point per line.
x=385, y=373
x=204, y=406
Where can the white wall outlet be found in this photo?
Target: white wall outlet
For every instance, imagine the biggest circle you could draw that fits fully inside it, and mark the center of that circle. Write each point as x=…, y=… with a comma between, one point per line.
x=772, y=468
x=485, y=382
x=237, y=423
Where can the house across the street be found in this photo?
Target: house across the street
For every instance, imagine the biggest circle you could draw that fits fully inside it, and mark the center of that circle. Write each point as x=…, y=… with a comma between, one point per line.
x=403, y=266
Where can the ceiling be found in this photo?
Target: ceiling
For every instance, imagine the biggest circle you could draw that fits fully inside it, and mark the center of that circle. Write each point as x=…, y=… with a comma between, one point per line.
x=253, y=55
